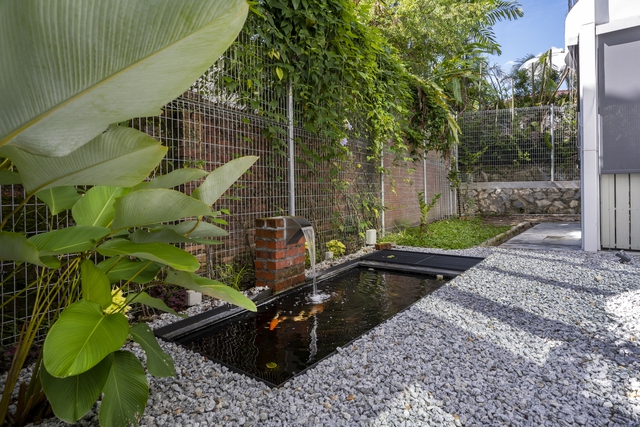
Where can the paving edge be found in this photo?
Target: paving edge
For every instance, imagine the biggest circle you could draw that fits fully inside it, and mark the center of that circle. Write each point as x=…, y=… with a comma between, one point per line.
x=503, y=237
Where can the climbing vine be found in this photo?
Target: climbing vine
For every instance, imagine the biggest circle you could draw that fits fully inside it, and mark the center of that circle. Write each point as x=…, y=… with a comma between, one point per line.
x=346, y=79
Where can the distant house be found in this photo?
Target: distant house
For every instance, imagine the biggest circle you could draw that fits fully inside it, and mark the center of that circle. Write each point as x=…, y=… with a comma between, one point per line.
x=603, y=42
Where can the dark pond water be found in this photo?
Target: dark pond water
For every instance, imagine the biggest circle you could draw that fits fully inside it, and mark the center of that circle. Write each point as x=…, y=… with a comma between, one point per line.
x=290, y=333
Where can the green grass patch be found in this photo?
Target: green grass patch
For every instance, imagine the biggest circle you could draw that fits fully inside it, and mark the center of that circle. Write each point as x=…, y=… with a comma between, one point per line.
x=447, y=234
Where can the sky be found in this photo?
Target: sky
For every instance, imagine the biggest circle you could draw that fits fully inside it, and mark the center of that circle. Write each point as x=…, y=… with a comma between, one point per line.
x=541, y=28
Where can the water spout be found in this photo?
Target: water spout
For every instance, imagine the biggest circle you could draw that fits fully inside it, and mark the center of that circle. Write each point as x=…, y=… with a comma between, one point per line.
x=293, y=228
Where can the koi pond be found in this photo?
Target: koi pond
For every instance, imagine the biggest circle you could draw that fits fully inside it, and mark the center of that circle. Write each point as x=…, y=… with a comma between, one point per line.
x=291, y=333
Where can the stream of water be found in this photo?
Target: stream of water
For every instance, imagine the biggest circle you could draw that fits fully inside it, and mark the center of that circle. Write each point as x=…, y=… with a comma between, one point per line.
x=310, y=237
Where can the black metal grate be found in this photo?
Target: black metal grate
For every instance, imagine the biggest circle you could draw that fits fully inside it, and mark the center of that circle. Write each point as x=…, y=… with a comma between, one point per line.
x=419, y=259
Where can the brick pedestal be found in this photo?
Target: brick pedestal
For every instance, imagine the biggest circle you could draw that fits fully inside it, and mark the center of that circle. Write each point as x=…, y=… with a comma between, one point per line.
x=278, y=265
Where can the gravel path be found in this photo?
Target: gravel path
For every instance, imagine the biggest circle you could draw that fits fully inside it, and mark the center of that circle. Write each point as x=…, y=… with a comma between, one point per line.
x=523, y=339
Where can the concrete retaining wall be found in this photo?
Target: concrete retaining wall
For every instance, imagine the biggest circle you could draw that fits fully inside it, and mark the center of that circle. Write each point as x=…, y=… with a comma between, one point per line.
x=538, y=197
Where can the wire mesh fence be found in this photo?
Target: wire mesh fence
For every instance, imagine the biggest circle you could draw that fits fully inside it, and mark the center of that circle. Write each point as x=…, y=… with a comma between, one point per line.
x=523, y=144
x=408, y=181
x=222, y=117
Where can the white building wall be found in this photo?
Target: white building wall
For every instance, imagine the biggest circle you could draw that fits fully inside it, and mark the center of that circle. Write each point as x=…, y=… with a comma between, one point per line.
x=587, y=20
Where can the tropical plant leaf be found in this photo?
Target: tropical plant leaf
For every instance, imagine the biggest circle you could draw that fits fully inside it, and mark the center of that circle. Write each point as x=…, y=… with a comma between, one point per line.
x=97, y=206
x=164, y=235
x=121, y=157
x=106, y=67
x=146, y=299
x=81, y=338
x=220, y=179
x=210, y=287
x=146, y=207
x=16, y=247
x=159, y=363
x=9, y=178
x=159, y=252
x=194, y=228
x=125, y=392
x=59, y=198
x=68, y=240
x=95, y=284
x=72, y=397
x=173, y=179
x=122, y=268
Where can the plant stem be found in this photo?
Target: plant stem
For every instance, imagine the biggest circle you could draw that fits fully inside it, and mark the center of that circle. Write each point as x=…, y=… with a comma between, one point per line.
x=15, y=211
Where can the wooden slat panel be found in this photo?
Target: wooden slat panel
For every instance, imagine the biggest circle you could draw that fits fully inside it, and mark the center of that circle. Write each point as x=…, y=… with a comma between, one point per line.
x=635, y=210
x=607, y=209
x=622, y=211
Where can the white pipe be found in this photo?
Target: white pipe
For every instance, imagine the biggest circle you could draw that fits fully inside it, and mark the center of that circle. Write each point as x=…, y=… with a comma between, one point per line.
x=292, y=194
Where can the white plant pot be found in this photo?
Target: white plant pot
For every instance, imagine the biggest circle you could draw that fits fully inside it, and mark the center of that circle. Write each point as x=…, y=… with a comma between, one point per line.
x=370, y=237
x=193, y=298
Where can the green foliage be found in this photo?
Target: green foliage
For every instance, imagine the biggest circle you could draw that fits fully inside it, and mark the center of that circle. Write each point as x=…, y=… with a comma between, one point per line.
x=447, y=234
x=56, y=134
x=535, y=84
x=425, y=208
x=440, y=42
x=336, y=247
x=93, y=68
x=234, y=274
x=340, y=70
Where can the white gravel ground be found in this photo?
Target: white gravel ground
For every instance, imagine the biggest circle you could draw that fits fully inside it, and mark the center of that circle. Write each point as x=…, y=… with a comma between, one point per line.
x=523, y=339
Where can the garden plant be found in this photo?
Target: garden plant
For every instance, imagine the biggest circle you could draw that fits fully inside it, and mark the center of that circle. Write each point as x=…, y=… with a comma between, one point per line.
x=59, y=139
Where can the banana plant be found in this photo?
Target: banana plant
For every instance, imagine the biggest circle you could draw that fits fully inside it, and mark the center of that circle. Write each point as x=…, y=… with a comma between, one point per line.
x=135, y=230
x=70, y=71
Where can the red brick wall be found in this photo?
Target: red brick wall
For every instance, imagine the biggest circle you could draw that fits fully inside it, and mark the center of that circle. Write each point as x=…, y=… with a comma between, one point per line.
x=402, y=185
x=278, y=265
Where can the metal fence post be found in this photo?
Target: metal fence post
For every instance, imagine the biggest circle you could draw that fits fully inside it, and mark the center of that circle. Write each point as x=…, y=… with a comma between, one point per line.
x=454, y=191
x=424, y=176
x=292, y=194
x=382, y=218
x=552, y=145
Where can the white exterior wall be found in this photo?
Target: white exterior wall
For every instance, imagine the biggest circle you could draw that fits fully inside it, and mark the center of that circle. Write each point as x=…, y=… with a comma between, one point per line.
x=587, y=20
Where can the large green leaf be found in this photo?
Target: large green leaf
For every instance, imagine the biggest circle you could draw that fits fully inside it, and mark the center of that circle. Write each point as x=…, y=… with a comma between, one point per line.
x=173, y=179
x=220, y=179
x=210, y=287
x=72, y=397
x=97, y=206
x=194, y=228
x=81, y=338
x=9, y=178
x=59, y=198
x=123, y=268
x=146, y=299
x=125, y=392
x=159, y=252
x=95, y=284
x=159, y=363
x=70, y=69
x=16, y=247
x=164, y=235
x=121, y=157
x=68, y=240
x=146, y=207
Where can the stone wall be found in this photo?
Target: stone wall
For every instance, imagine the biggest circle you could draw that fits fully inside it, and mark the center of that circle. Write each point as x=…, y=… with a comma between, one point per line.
x=559, y=197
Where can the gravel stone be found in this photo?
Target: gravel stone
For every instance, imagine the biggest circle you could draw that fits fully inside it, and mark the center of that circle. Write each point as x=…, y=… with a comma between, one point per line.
x=525, y=338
